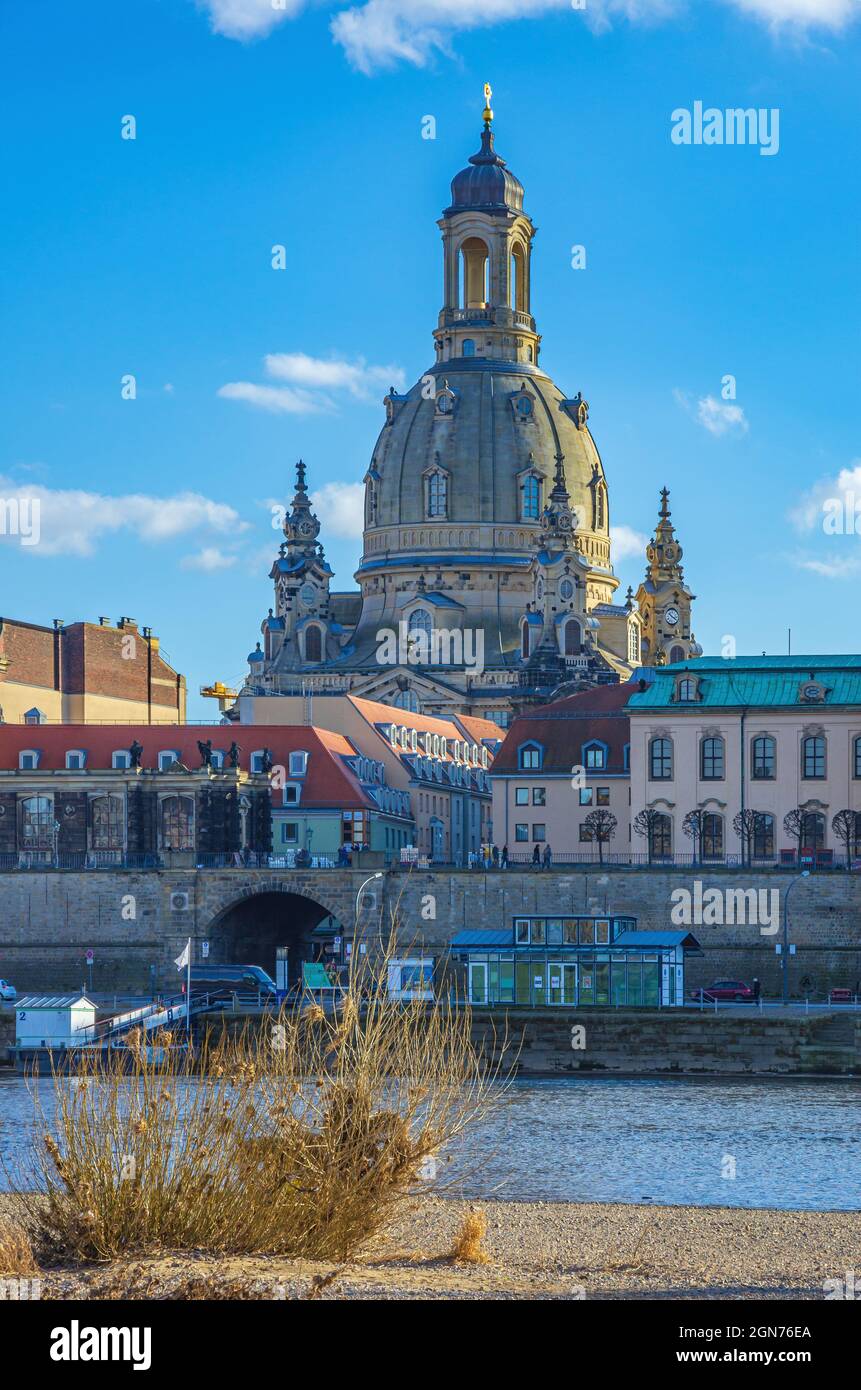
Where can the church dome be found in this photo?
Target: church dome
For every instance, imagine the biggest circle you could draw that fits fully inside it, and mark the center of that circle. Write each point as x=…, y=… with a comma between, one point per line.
x=487, y=427
x=486, y=183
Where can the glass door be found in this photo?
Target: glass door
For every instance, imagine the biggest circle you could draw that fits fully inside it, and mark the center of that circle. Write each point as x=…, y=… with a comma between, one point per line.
x=554, y=982
x=477, y=982
x=569, y=983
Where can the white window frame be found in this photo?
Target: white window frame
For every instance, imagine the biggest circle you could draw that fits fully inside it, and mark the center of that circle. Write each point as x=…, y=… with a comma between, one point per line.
x=76, y=753
x=29, y=753
x=300, y=770
x=167, y=753
x=126, y=760
x=291, y=786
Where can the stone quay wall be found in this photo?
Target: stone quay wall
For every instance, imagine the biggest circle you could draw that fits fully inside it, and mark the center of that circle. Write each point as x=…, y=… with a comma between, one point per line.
x=135, y=924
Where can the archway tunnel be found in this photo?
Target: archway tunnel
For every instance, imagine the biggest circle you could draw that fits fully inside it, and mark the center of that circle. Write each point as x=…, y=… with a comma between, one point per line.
x=251, y=931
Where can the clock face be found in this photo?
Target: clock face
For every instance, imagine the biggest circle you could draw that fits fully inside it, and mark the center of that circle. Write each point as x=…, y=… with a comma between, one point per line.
x=307, y=594
x=671, y=617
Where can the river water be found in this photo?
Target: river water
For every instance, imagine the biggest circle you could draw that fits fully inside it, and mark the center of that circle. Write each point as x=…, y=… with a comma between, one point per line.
x=782, y=1144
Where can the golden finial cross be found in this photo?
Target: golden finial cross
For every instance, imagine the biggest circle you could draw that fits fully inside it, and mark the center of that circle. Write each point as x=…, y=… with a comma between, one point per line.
x=488, y=93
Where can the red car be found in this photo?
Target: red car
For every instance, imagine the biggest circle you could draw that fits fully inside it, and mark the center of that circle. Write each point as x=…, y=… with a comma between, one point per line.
x=734, y=990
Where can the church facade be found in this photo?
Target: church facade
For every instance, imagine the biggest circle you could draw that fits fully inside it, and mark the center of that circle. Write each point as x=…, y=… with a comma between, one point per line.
x=486, y=580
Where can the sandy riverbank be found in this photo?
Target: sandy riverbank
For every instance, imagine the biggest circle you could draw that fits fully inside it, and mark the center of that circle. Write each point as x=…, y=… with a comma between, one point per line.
x=537, y=1250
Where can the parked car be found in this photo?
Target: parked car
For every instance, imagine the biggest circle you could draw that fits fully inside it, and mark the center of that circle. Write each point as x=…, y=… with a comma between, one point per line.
x=232, y=979
x=734, y=990
x=8, y=992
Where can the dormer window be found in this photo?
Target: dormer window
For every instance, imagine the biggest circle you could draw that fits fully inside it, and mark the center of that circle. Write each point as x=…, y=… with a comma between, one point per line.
x=121, y=759
x=35, y=716
x=167, y=758
x=595, y=756
x=76, y=760
x=687, y=691
x=298, y=763
x=530, y=757
x=28, y=760
x=445, y=402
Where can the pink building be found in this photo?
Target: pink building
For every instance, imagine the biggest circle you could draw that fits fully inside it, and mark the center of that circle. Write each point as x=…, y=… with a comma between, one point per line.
x=757, y=756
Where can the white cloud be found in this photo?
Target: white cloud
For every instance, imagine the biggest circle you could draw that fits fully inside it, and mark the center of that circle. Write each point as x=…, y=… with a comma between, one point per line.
x=844, y=491
x=379, y=34
x=249, y=19
x=801, y=14
x=832, y=569
x=315, y=383
x=208, y=559
x=625, y=542
x=718, y=417
x=358, y=378
x=71, y=521
x=279, y=400
x=341, y=506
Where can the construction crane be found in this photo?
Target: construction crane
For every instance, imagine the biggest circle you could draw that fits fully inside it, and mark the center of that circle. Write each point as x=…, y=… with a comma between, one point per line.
x=220, y=692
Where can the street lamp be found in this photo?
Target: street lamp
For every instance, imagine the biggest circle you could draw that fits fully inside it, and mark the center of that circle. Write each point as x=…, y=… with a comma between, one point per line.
x=785, y=962
x=362, y=888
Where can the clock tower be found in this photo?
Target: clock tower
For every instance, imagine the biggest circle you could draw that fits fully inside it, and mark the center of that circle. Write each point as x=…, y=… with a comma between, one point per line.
x=664, y=600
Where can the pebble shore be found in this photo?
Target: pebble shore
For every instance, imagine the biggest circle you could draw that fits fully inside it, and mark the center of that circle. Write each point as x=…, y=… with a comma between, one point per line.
x=536, y=1250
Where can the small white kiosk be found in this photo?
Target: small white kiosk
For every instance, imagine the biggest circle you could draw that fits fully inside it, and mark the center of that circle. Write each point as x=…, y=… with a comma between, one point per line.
x=54, y=1020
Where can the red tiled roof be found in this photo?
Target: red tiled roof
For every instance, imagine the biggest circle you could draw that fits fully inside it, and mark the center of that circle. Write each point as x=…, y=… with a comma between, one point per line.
x=563, y=727
x=327, y=782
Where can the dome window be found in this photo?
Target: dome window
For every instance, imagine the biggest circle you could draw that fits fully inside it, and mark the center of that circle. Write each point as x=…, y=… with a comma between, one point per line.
x=531, y=497
x=468, y=348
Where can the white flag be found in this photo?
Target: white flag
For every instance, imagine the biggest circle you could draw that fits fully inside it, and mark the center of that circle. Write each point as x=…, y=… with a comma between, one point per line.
x=183, y=961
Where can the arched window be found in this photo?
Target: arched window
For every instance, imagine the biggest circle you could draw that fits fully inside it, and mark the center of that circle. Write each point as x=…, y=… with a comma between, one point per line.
x=661, y=837
x=36, y=822
x=524, y=640
x=712, y=759
x=763, y=758
x=421, y=621
x=474, y=262
x=468, y=348
x=408, y=700
x=677, y=654
x=813, y=757
x=518, y=279
x=437, y=494
x=712, y=836
x=106, y=822
x=313, y=644
x=661, y=760
x=370, y=503
x=177, y=822
x=686, y=690
x=573, y=644
x=600, y=508
x=814, y=830
x=763, y=836
x=531, y=498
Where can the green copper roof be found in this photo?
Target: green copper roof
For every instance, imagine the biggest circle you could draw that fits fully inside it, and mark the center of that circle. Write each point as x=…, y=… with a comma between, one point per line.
x=758, y=681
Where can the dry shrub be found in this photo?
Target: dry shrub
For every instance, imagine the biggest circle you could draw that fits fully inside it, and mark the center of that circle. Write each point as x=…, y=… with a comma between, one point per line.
x=16, y=1252
x=468, y=1248
x=300, y=1139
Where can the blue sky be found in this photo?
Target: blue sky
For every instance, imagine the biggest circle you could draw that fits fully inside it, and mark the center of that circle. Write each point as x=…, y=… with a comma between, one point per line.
x=300, y=124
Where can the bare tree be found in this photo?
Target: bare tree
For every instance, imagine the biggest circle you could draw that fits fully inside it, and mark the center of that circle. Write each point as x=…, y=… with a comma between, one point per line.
x=693, y=826
x=846, y=826
x=602, y=826
x=745, y=824
x=795, y=825
x=645, y=823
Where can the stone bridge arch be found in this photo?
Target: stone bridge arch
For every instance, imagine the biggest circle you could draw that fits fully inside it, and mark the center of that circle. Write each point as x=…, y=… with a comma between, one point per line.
x=247, y=924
